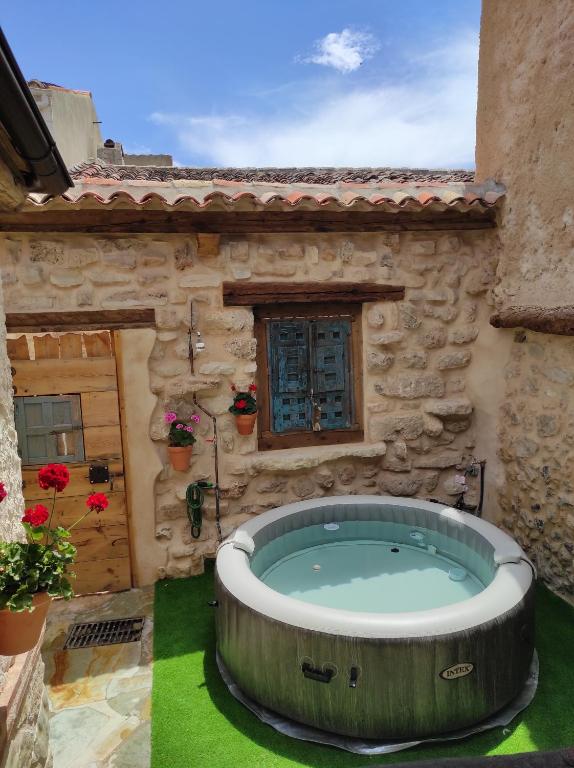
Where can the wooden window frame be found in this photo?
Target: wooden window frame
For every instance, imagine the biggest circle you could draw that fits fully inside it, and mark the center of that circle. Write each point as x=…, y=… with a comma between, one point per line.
x=76, y=425
x=268, y=440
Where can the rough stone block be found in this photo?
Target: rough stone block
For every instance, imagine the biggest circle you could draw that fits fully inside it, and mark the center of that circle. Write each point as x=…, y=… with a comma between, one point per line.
x=408, y=316
x=228, y=320
x=47, y=251
x=263, y=269
x=432, y=425
x=437, y=295
x=440, y=461
x=365, y=258
x=311, y=254
x=391, y=427
x=240, y=272
x=184, y=254
x=422, y=248
x=411, y=386
x=242, y=348
x=399, y=485
x=85, y=298
x=463, y=335
x=303, y=487
x=459, y=359
x=449, y=409
x=433, y=338
x=379, y=361
x=33, y=275
x=388, y=338
x=415, y=359
x=376, y=316
x=66, y=278
x=107, y=277
x=325, y=478
x=217, y=369
x=446, y=313
x=196, y=279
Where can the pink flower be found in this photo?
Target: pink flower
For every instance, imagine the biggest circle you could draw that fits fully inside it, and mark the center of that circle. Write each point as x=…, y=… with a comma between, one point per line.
x=189, y=429
x=180, y=426
x=170, y=417
x=195, y=418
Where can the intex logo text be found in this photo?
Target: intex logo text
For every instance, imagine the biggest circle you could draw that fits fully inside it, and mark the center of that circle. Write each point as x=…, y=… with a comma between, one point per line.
x=457, y=670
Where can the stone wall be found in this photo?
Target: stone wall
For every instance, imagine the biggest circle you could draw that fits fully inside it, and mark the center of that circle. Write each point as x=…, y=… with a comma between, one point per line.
x=23, y=713
x=525, y=139
x=419, y=362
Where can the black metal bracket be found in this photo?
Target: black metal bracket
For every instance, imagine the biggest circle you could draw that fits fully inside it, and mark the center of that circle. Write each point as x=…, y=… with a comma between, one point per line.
x=99, y=473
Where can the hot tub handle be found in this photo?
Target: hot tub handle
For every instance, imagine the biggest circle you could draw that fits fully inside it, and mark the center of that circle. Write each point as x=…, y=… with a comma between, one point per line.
x=320, y=675
x=353, y=677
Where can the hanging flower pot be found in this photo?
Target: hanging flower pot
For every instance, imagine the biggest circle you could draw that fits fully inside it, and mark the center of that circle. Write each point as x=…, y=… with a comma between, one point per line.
x=181, y=440
x=245, y=423
x=244, y=408
x=20, y=630
x=180, y=456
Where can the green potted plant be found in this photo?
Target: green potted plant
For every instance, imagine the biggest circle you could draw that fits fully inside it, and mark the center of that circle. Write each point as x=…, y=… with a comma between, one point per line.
x=181, y=440
x=35, y=570
x=244, y=408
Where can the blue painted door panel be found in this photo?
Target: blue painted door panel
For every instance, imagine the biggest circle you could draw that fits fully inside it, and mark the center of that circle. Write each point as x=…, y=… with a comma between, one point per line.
x=331, y=374
x=310, y=376
x=289, y=368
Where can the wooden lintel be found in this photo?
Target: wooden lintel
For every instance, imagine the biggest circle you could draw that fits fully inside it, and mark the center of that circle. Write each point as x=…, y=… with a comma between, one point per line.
x=232, y=222
x=111, y=320
x=554, y=320
x=256, y=294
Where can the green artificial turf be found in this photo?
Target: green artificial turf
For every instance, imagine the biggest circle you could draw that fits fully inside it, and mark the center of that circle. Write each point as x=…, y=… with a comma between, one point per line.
x=196, y=721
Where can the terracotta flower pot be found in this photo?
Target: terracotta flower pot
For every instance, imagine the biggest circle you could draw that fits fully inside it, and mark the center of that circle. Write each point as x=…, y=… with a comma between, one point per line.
x=245, y=422
x=21, y=630
x=180, y=456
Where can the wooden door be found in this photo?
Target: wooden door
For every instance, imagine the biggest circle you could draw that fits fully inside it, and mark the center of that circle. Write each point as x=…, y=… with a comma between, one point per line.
x=67, y=411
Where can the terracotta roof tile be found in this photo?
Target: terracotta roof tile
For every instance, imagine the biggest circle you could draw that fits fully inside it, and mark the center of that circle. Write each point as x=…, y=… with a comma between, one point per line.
x=354, y=176
x=388, y=189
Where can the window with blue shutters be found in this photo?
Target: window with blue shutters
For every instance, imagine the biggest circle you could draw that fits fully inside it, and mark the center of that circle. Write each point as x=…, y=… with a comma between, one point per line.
x=309, y=366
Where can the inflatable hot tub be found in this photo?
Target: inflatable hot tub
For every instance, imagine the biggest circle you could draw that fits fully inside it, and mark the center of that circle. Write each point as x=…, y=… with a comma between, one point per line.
x=375, y=617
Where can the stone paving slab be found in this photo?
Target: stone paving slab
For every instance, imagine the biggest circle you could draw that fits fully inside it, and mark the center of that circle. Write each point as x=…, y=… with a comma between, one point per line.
x=100, y=698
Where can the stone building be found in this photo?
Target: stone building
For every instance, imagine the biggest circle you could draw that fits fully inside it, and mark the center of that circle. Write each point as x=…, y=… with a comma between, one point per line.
x=23, y=136
x=455, y=291
x=404, y=260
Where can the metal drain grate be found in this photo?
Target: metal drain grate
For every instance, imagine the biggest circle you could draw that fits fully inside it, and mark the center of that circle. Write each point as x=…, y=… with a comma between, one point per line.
x=105, y=633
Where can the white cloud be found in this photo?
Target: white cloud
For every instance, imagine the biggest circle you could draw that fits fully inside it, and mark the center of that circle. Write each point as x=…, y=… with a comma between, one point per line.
x=344, y=51
x=424, y=119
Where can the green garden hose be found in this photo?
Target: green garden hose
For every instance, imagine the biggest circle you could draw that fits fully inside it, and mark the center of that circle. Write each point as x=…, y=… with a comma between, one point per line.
x=194, y=502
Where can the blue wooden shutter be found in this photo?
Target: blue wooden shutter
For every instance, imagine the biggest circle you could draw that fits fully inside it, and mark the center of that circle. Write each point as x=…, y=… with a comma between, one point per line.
x=288, y=355
x=49, y=429
x=332, y=381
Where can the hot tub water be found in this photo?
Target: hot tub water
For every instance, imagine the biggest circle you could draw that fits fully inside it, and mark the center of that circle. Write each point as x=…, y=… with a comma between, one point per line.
x=367, y=575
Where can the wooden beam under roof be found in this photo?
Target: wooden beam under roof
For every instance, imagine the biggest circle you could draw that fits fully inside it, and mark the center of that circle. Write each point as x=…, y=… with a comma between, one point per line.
x=57, y=322
x=261, y=293
x=221, y=222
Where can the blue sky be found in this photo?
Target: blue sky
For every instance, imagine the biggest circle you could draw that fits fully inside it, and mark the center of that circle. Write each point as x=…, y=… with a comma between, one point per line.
x=301, y=82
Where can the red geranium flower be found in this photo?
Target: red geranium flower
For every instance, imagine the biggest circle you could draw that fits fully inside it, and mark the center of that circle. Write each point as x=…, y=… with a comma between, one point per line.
x=241, y=404
x=253, y=387
x=53, y=476
x=36, y=515
x=97, y=502
x=3, y=492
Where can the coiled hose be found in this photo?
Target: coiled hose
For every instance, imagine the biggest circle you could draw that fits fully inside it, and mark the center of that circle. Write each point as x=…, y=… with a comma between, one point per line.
x=194, y=504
